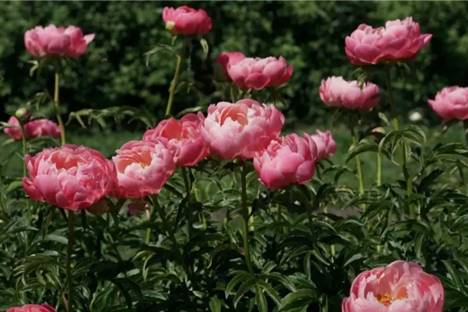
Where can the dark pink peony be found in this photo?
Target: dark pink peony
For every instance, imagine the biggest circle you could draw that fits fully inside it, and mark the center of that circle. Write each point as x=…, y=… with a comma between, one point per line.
x=33, y=308
x=70, y=177
x=398, y=40
x=53, y=41
x=287, y=160
x=326, y=145
x=186, y=21
x=184, y=137
x=226, y=58
x=259, y=73
x=33, y=129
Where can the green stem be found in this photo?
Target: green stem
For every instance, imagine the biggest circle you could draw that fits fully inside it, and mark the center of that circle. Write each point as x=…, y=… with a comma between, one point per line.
x=170, y=234
x=148, y=230
x=245, y=218
x=358, y=159
x=2, y=197
x=379, y=168
x=188, y=188
x=308, y=205
x=57, y=109
x=173, y=85
x=23, y=142
x=391, y=100
x=71, y=224
x=409, y=185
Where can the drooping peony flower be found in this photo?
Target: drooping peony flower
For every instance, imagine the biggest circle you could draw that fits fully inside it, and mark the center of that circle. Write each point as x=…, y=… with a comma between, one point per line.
x=143, y=168
x=398, y=40
x=33, y=129
x=33, y=308
x=451, y=103
x=335, y=91
x=226, y=58
x=399, y=287
x=70, y=177
x=57, y=42
x=186, y=21
x=287, y=160
x=259, y=73
x=184, y=137
x=241, y=129
x=326, y=145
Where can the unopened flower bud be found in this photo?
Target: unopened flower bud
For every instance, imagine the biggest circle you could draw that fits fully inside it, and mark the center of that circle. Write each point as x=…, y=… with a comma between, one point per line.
x=22, y=114
x=99, y=208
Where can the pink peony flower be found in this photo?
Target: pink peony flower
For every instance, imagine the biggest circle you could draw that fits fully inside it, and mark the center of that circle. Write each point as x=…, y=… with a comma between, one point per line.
x=259, y=73
x=186, y=21
x=399, y=287
x=71, y=177
x=53, y=41
x=226, y=58
x=33, y=129
x=398, y=40
x=241, y=129
x=326, y=146
x=451, y=103
x=143, y=168
x=286, y=160
x=184, y=137
x=33, y=308
x=335, y=91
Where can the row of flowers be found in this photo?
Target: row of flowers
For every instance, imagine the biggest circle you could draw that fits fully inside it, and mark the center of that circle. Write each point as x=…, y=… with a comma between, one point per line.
x=77, y=177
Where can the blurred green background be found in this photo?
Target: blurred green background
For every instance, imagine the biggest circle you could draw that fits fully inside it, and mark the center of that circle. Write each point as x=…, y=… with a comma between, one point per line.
x=310, y=35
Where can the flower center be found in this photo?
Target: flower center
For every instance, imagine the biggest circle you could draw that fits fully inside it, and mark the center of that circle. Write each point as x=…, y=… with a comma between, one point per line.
x=143, y=165
x=235, y=113
x=387, y=299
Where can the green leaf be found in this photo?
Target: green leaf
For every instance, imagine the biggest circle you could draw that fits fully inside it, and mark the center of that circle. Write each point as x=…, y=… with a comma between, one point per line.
x=272, y=293
x=243, y=289
x=260, y=300
x=157, y=49
x=205, y=47
x=215, y=304
x=238, y=278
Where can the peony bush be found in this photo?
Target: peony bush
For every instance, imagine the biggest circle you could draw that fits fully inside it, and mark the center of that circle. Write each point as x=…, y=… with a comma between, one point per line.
x=222, y=208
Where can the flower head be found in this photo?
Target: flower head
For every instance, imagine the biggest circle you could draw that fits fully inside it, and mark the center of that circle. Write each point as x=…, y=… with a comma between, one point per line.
x=186, y=21
x=451, y=103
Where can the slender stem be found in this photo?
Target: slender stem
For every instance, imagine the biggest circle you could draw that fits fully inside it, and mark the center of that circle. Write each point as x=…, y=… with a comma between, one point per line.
x=23, y=142
x=358, y=160
x=188, y=188
x=391, y=100
x=245, y=218
x=308, y=205
x=71, y=224
x=379, y=168
x=2, y=197
x=173, y=85
x=57, y=109
x=465, y=124
x=148, y=230
x=409, y=184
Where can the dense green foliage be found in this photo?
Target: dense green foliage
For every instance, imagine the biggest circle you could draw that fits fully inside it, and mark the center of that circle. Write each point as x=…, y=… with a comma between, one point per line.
x=309, y=34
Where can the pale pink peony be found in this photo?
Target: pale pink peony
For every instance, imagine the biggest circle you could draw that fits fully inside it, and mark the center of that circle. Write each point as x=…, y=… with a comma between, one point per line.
x=226, y=58
x=326, y=145
x=33, y=308
x=335, y=91
x=58, y=42
x=143, y=168
x=287, y=160
x=241, y=129
x=451, y=103
x=398, y=40
x=71, y=177
x=184, y=137
x=33, y=129
x=259, y=73
x=399, y=287
x=186, y=21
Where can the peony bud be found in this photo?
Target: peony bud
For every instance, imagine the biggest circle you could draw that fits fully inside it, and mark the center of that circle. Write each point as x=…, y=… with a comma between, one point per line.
x=99, y=208
x=22, y=114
